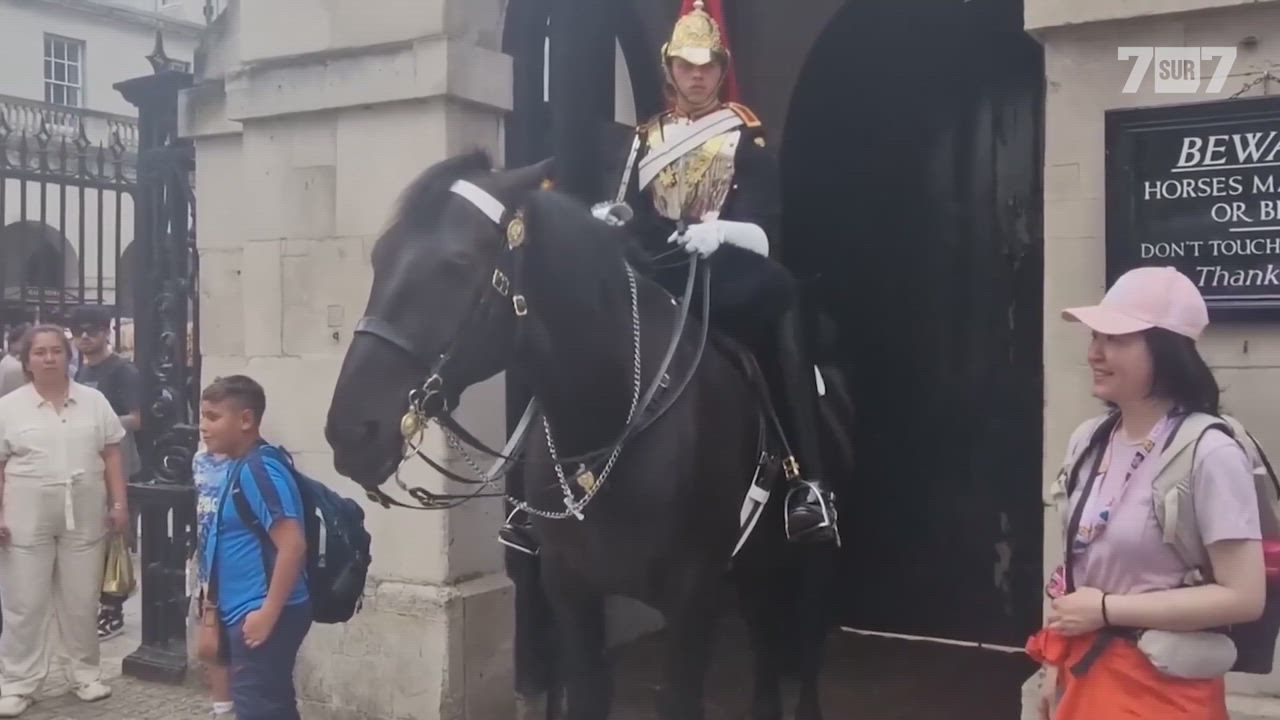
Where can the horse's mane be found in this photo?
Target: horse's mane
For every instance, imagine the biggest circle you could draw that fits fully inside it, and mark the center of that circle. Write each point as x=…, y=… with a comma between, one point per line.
x=594, y=246
x=424, y=198
x=553, y=215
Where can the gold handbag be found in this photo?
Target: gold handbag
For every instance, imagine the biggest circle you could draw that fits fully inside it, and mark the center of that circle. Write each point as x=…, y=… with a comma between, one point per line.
x=118, y=579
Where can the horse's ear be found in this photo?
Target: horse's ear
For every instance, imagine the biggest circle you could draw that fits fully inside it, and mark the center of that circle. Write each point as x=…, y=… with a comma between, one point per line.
x=547, y=171
x=538, y=174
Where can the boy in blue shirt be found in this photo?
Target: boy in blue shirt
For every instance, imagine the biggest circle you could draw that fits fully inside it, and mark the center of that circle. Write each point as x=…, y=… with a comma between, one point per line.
x=260, y=588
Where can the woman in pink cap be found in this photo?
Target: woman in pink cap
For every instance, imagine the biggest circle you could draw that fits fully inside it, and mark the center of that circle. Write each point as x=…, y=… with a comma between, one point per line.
x=1119, y=577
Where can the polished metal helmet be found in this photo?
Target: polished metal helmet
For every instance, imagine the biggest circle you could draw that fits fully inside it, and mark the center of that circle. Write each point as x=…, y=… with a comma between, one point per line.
x=696, y=38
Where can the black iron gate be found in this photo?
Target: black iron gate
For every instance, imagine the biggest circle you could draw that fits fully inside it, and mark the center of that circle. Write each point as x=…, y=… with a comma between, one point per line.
x=165, y=301
x=65, y=206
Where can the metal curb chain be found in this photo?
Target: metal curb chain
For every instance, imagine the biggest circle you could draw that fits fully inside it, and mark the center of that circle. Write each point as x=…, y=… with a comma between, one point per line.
x=575, y=507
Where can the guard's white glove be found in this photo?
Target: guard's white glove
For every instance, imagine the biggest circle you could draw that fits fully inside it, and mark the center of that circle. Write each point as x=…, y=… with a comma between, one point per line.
x=705, y=238
x=615, y=214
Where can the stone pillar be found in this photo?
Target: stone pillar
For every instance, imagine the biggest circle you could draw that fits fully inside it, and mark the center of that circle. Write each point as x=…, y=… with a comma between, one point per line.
x=309, y=118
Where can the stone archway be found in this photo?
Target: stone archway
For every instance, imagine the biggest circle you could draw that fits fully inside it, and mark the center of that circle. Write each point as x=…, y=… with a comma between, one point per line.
x=35, y=255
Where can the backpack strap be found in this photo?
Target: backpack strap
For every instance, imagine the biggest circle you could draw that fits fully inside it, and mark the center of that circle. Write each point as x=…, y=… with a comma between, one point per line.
x=1265, y=482
x=250, y=520
x=1173, y=488
x=1089, y=436
x=1073, y=524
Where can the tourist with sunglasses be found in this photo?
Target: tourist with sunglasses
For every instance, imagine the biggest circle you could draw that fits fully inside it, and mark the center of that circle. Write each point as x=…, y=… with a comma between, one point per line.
x=118, y=379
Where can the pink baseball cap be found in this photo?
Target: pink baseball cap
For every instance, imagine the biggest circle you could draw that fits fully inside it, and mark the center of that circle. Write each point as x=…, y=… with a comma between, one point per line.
x=1145, y=298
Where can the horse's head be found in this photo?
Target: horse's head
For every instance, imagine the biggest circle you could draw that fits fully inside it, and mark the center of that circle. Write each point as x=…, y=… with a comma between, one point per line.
x=440, y=311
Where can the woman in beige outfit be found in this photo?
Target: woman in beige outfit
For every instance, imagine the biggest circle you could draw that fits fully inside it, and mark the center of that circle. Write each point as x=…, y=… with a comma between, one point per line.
x=62, y=489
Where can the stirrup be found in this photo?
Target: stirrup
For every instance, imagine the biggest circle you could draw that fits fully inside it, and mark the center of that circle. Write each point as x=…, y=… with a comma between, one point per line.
x=517, y=537
x=827, y=525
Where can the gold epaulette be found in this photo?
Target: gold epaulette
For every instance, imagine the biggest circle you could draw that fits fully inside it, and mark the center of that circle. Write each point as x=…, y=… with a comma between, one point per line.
x=749, y=118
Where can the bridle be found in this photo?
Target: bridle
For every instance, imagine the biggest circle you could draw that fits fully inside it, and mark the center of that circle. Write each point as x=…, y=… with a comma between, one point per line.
x=435, y=398
x=434, y=389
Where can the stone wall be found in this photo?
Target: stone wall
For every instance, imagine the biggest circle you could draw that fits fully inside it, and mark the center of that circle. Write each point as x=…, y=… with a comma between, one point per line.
x=1084, y=79
x=309, y=118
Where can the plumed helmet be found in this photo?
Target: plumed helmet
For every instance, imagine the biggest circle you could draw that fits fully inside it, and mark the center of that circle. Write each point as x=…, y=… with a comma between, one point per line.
x=696, y=39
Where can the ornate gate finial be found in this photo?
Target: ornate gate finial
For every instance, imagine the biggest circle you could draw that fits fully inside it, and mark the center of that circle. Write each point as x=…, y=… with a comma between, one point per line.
x=160, y=61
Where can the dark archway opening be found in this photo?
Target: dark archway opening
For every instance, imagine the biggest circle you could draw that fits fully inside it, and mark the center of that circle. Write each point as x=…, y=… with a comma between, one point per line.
x=912, y=192
x=563, y=73
x=39, y=271
x=43, y=268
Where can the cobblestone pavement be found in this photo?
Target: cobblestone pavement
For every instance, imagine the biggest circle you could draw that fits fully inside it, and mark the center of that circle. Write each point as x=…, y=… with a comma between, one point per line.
x=133, y=700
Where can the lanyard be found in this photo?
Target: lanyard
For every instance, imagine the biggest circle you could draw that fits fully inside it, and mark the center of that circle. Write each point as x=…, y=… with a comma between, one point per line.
x=1088, y=533
x=1079, y=535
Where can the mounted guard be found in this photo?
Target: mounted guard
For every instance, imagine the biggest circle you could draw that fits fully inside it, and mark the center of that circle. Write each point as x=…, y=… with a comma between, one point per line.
x=699, y=177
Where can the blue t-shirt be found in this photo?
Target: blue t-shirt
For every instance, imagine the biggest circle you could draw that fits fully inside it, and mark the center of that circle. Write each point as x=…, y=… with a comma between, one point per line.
x=272, y=495
x=209, y=472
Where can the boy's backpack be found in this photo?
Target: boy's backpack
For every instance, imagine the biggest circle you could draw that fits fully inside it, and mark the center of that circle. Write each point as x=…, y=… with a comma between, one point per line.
x=338, y=553
x=1175, y=513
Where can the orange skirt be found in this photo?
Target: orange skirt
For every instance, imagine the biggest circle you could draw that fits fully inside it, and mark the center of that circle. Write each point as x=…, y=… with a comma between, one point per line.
x=1122, y=684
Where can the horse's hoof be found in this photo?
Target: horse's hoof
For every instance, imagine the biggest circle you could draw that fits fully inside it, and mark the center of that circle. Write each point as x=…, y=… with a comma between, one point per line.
x=531, y=707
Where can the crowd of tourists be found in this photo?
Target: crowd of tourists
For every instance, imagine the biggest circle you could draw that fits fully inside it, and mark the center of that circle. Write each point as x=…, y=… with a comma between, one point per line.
x=68, y=413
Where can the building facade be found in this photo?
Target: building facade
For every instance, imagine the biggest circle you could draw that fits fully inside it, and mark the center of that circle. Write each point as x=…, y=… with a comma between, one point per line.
x=945, y=177
x=61, y=118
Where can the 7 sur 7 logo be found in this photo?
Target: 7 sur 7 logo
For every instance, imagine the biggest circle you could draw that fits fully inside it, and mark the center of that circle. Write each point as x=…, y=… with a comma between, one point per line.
x=1178, y=70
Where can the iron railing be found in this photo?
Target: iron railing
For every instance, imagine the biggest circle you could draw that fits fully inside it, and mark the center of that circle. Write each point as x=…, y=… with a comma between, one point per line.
x=66, y=210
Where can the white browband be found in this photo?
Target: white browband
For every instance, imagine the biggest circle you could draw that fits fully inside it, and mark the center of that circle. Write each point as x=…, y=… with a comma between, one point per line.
x=484, y=202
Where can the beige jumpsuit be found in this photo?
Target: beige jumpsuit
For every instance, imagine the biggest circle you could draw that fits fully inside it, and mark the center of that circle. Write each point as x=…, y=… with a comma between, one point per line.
x=55, y=505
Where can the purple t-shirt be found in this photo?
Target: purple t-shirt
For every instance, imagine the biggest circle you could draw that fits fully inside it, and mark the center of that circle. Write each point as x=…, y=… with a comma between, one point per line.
x=1130, y=556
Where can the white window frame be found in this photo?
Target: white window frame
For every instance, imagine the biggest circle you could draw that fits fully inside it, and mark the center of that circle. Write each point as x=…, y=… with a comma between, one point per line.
x=70, y=90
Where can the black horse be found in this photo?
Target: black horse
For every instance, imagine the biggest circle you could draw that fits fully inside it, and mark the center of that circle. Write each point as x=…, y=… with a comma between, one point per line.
x=507, y=275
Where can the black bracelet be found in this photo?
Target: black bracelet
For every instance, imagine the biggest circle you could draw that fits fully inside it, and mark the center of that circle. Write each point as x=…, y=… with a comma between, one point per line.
x=1106, y=621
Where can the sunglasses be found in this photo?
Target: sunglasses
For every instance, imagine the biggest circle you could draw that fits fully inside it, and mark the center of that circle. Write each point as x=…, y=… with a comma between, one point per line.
x=88, y=331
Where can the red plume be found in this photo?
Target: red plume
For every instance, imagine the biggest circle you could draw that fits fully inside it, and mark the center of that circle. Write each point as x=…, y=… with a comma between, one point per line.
x=715, y=8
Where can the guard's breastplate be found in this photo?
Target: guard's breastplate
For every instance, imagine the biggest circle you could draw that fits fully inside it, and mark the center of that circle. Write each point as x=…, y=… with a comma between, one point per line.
x=698, y=182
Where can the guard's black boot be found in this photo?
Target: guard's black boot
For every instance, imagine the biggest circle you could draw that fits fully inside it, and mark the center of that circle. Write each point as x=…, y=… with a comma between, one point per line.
x=811, y=512
x=517, y=533
x=811, y=505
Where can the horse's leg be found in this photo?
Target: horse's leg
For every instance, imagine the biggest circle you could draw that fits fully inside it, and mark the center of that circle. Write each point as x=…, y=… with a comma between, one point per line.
x=812, y=625
x=535, y=651
x=580, y=620
x=691, y=617
x=760, y=602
